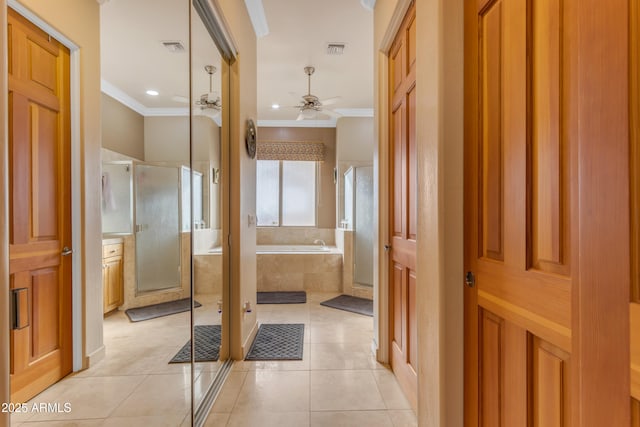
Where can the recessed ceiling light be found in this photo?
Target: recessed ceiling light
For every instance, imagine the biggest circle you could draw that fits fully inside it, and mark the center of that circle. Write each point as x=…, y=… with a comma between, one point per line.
x=152, y=92
x=275, y=106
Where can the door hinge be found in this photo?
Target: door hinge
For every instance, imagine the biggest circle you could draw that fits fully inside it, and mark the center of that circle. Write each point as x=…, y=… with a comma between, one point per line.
x=19, y=308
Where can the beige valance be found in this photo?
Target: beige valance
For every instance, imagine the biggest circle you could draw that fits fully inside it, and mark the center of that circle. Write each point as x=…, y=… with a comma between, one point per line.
x=290, y=150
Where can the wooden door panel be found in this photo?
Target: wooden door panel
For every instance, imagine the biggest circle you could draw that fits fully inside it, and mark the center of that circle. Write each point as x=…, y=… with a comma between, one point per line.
x=491, y=168
x=397, y=293
x=548, y=158
x=45, y=284
x=412, y=167
x=398, y=172
x=550, y=385
x=491, y=364
x=412, y=321
x=635, y=413
x=44, y=174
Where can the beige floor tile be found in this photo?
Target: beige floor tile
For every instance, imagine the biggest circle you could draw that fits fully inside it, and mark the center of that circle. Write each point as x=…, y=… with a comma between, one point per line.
x=92, y=397
x=70, y=423
x=391, y=392
x=405, y=418
x=344, y=390
x=158, y=395
x=227, y=397
x=351, y=419
x=268, y=419
x=274, y=391
x=341, y=356
x=216, y=420
x=150, y=421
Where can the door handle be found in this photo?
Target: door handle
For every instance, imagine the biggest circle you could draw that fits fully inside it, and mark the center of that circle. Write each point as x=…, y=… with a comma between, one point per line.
x=387, y=248
x=66, y=251
x=470, y=279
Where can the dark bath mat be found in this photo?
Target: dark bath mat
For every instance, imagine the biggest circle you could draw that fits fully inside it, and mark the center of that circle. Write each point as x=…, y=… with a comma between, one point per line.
x=295, y=297
x=278, y=341
x=158, y=310
x=352, y=304
x=207, y=345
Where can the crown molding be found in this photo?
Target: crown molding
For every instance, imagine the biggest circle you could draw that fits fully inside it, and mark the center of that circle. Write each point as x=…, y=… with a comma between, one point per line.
x=368, y=4
x=126, y=100
x=258, y=17
x=331, y=123
x=354, y=112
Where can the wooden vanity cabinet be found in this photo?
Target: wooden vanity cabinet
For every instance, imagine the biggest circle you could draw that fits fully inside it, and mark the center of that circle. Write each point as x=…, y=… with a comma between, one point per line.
x=112, y=276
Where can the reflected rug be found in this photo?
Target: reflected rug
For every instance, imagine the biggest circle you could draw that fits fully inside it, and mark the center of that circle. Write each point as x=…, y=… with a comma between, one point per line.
x=207, y=345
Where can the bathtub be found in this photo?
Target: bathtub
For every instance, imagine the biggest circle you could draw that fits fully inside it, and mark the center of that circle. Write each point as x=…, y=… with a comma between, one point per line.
x=299, y=267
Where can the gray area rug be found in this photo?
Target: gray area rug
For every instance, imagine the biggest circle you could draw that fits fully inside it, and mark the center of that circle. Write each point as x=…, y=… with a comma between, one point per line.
x=278, y=341
x=293, y=297
x=207, y=345
x=352, y=304
x=147, y=312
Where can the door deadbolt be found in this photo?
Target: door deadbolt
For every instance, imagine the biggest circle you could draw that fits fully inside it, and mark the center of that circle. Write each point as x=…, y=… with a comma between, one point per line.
x=470, y=279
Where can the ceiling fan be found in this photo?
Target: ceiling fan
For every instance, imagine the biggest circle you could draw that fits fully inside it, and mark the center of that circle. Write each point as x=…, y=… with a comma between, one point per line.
x=209, y=102
x=311, y=105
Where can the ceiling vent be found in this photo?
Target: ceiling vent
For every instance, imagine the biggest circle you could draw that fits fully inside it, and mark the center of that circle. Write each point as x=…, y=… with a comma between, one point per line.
x=173, y=46
x=335, y=48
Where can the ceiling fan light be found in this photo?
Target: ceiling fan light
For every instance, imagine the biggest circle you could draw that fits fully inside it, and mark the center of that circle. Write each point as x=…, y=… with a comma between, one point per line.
x=308, y=113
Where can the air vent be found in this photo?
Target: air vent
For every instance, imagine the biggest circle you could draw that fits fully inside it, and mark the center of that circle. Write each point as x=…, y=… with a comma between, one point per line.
x=174, y=46
x=335, y=48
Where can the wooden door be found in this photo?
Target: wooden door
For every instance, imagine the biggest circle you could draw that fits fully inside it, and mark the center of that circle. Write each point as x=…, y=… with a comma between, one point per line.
x=546, y=209
x=403, y=210
x=634, y=134
x=39, y=143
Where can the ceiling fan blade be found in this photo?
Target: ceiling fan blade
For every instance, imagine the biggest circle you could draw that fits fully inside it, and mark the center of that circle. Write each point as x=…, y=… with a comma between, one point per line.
x=181, y=99
x=330, y=101
x=300, y=117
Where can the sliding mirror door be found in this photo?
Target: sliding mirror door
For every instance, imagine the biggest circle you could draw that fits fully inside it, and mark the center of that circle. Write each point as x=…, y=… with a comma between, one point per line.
x=209, y=206
x=145, y=144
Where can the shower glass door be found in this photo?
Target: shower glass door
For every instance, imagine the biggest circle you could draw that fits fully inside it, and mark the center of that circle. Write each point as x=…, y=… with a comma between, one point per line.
x=157, y=227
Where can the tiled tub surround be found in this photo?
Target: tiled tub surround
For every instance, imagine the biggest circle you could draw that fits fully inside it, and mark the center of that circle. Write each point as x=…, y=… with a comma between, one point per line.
x=299, y=271
x=294, y=235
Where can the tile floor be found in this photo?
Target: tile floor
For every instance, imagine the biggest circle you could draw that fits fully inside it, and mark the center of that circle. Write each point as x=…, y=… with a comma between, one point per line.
x=337, y=384
x=134, y=385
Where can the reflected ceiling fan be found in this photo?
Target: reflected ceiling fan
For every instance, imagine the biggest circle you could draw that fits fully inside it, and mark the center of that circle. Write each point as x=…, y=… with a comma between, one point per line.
x=210, y=102
x=311, y=105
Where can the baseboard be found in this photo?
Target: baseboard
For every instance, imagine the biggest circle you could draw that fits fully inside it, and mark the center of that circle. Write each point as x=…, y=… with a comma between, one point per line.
x=246, y=345
x=95, y=357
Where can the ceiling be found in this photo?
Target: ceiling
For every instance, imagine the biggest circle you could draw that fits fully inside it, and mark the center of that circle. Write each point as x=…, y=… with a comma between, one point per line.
x=134, y=59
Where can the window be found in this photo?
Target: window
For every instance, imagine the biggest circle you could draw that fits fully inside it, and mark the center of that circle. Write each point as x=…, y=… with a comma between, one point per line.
x=286, y=193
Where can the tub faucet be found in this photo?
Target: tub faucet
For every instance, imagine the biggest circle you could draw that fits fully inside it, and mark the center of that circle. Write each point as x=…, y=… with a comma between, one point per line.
x=315, y=242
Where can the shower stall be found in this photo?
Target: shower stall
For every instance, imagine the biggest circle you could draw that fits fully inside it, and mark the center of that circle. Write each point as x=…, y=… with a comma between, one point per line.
x=147, y=200
x=358, y=215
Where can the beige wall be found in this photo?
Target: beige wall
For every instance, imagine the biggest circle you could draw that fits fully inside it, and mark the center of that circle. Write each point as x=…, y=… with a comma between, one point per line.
x=354, y=139
x=327, y=189
x=83, y=28
x=122, y=128
x=166, y=138
x=439, y=133
x=243, y=87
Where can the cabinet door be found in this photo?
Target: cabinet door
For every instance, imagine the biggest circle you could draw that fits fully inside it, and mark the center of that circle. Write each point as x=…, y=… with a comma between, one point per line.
x=112, y=282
